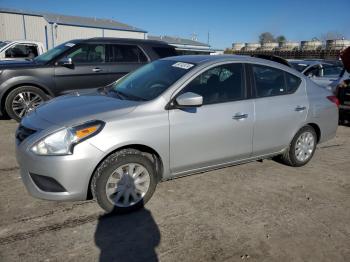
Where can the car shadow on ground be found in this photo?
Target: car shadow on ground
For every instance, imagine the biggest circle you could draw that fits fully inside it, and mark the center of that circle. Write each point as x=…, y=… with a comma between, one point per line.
x=129, y=237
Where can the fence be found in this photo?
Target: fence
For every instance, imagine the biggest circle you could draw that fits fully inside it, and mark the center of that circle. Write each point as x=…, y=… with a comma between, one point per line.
x=327, y=54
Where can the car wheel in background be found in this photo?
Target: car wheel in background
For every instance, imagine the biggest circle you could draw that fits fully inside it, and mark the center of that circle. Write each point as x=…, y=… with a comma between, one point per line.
x=302, y=147
x=124, y=181
x=23, y=100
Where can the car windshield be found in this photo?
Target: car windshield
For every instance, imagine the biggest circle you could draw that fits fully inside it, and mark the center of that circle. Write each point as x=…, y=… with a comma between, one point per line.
x=300, y=66
x=54, y=52
x=149, y=81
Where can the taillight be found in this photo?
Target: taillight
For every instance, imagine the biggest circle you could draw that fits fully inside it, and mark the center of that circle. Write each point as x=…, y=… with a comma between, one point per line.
x=334, y=99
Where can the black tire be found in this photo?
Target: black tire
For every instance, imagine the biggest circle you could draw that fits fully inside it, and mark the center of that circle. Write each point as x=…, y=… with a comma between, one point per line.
x=110, y=164
x=11, y=96
x=289, y=158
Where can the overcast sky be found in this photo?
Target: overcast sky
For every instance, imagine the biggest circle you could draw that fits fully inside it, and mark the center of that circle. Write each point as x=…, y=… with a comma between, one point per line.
x=227, y=21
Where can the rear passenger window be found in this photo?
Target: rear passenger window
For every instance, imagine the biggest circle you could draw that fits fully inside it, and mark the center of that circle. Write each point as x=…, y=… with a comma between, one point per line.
x=293, y=82
x=125, y=54
x=271, y=81
x=219, y=84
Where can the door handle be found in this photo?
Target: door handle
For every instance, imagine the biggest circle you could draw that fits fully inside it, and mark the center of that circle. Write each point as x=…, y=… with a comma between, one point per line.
x=300, y=108
x=97, y=69
x=240, y=116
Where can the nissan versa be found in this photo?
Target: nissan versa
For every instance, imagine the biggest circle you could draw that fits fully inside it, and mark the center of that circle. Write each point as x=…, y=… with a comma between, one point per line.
x=173, y=117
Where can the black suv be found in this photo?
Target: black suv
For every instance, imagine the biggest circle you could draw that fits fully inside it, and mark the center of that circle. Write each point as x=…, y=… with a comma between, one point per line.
x=72, y=66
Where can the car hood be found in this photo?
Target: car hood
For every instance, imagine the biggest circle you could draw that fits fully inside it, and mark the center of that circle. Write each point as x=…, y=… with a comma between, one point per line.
x=80, y=107
x=9, y=64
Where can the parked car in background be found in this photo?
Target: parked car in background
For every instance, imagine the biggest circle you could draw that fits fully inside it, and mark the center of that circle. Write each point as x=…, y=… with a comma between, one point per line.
x=72, y=66
x=20, y=50
x=173, y=117
x=321, y=72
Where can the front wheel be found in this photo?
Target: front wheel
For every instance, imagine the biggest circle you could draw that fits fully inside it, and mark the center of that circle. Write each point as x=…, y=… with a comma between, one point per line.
x=302, y=147
x=124, y=181
x=23, y=100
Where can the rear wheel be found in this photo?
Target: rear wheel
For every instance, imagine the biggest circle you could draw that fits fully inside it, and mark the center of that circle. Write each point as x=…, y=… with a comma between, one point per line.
x=23, y=100
x=124, y=181
x=302, y=147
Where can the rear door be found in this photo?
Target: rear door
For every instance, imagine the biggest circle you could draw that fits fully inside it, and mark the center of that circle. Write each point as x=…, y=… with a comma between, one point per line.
x=89, y=69
x=221, y=130
x=123, y=59
x=281, y=107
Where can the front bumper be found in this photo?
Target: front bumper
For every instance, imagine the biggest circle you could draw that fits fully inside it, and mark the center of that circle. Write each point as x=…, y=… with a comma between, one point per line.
x=72, y=172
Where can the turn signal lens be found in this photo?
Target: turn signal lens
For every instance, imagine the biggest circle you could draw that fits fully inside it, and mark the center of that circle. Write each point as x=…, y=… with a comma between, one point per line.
x=82, y=133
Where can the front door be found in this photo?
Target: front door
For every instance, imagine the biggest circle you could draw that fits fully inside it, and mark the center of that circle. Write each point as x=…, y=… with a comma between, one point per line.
x=88, y=71
x=218, y=132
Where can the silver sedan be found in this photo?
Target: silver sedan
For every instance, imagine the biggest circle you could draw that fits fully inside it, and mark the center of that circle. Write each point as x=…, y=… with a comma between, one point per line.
x=173, y=117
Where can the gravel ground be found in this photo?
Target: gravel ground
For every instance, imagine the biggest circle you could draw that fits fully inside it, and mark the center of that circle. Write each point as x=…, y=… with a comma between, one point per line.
x=253, y=212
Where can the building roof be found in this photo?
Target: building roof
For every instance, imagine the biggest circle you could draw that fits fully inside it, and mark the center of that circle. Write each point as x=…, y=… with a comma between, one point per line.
x=77, y=20
x=178, y=41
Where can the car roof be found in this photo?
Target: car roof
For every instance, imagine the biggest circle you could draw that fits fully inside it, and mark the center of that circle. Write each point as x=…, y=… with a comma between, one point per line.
x=22, y=41
x=120, y=40
x=203, y=59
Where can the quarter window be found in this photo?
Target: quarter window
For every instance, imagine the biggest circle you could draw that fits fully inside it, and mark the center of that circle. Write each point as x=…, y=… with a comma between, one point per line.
x=125, y=53
x=88, y=54
x=271, y=81
x=219, y=84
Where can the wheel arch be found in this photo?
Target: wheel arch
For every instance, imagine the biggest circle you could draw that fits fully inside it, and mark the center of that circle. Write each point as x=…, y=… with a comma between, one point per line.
x=317, y=130
x=11, y=88
x=147, y=151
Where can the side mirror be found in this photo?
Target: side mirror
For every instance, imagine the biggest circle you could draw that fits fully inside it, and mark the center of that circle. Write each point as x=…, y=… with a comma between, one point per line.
x=189, y=99
x=65, y=61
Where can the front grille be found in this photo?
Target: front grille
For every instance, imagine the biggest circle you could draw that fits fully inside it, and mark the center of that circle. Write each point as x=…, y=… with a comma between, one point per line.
x=23, y=133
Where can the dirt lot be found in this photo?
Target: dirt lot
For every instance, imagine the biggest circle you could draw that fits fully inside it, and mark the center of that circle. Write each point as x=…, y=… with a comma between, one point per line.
x=254, y=212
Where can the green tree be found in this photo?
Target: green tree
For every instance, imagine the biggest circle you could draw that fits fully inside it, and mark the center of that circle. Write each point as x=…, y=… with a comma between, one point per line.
x=281, y=39
x=266, y=37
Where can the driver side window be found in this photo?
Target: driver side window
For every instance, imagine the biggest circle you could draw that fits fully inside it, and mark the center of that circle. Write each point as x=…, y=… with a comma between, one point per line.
x=219, y=84
x=88, y=54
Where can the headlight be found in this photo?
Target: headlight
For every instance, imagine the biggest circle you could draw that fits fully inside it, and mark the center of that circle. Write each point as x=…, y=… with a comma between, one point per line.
x=63, y=141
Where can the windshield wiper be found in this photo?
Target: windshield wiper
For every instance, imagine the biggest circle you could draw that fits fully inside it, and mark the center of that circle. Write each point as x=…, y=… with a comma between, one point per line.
x=128, y=96
x=119, y=94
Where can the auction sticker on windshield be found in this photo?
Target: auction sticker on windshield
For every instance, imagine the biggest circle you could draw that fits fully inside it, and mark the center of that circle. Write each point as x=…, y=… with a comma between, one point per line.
x=183, y=65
